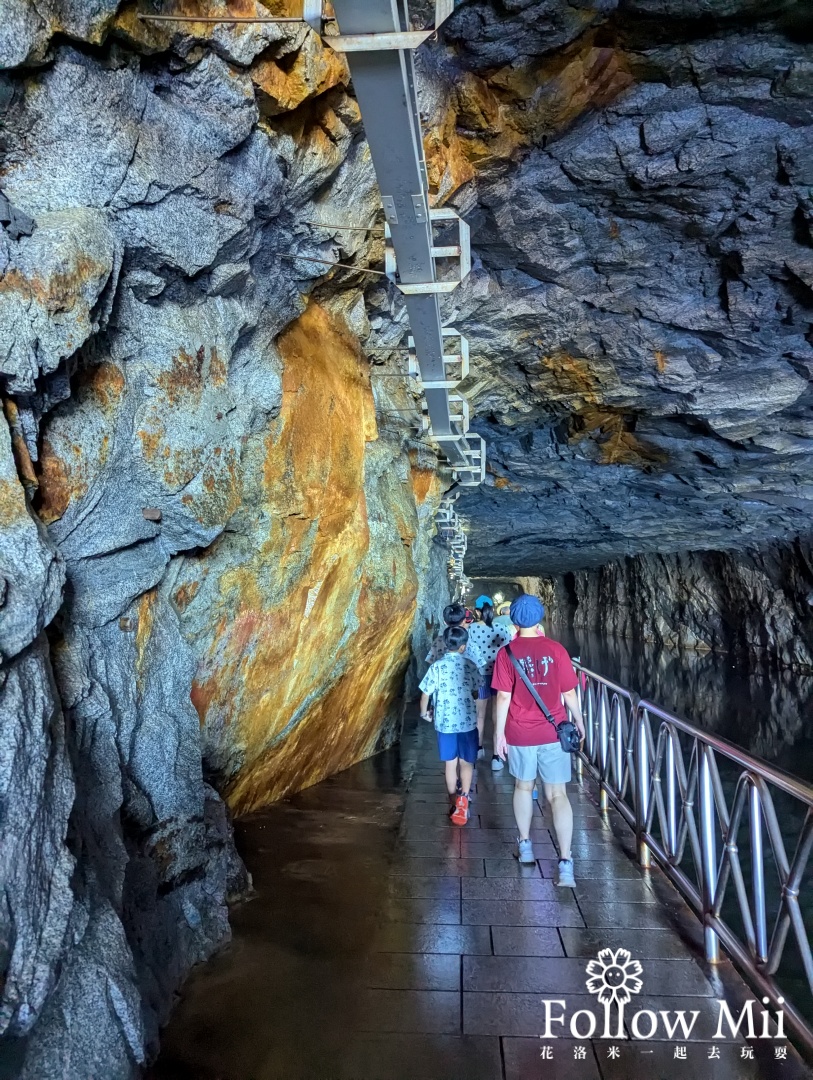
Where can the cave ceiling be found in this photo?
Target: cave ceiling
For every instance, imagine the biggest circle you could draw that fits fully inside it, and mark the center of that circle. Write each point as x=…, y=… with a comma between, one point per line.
x=639, y=182
x=638, y=177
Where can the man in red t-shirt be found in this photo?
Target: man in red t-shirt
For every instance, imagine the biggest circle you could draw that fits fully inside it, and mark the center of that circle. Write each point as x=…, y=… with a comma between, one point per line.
x=524, y=733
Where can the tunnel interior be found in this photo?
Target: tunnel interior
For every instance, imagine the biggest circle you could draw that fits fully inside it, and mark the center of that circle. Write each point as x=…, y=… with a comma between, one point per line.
x=242, y=471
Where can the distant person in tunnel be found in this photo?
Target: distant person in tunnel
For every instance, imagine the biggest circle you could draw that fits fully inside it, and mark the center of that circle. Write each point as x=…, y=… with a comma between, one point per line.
x=448, y=693
x=528, y=737
x=484, y=641
x=502, y=620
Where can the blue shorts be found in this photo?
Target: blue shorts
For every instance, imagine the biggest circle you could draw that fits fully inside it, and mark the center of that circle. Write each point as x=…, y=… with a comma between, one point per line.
x=458, y=744
x=485, y=692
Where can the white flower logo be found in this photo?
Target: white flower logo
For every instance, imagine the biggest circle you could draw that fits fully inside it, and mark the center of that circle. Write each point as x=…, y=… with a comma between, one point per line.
x=614, y=979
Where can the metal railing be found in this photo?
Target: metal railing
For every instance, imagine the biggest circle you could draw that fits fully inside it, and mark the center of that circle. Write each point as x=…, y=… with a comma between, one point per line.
x=689, y=795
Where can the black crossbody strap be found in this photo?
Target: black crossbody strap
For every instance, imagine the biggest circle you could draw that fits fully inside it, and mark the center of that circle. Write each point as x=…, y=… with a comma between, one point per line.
x=530, y=686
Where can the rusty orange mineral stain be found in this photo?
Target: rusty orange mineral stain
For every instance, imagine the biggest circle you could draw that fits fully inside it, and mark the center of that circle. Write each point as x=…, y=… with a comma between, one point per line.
x=105, y=383
x=309, y=639
x=145, y=619
x=12, y=503
x=59, y=291
x=573, y=375
x=519, y=105
x=618, y=445
x=185, y=378
x=425, y=481
x=64, y=467
x=184, y=596
x=316, y=68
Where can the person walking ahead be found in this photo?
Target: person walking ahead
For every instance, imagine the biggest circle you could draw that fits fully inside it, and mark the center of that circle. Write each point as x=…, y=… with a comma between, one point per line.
x=484, y=641
x=453, y=682
x=526, y=735
x=453, y=615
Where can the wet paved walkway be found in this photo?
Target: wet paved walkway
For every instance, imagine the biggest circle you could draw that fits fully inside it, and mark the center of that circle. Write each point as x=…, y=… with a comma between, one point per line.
x=384, y=943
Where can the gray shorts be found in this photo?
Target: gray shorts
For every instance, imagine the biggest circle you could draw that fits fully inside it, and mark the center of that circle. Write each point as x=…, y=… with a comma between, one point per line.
x=549, y=760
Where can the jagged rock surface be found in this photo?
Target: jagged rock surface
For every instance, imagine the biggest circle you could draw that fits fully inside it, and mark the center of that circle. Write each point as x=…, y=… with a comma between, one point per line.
x=641, y=310
x=757, y=604
x=219, y=541
x=222, y=501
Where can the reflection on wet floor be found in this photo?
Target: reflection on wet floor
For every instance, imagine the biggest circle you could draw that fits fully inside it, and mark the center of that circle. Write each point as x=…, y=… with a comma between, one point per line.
x=385, y=943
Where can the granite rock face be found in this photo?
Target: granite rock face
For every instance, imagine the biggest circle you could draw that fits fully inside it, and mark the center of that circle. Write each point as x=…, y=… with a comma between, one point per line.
x=215, y=546
x=641, y=309
x=301, y=613
x=216, y=551
x=756, y=604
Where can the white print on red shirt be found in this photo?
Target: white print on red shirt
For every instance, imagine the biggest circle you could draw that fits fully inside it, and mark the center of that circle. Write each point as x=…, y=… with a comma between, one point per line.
x=530, y=669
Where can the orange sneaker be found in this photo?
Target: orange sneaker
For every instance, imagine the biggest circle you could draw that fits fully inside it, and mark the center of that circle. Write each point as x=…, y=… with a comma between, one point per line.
x=461, y=810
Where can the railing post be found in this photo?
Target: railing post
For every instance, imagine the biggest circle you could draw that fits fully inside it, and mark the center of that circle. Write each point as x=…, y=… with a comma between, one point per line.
x=708, y=852
x=579, y=761
x=589, y=721
x=618, y=748
x=603, y=748
x=641, y=759
x=671, y=795
x=758, y=874
x=679, y=818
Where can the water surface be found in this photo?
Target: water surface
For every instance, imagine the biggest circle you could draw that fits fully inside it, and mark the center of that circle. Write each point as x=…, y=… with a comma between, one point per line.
x=766, y=710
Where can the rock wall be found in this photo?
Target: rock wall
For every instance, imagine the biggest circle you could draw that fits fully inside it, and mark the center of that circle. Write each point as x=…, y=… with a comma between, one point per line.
x=637, y=175
x=302, y=614
x=215, y=509
x=215, y=524
x=756, y=604
x=747, y=698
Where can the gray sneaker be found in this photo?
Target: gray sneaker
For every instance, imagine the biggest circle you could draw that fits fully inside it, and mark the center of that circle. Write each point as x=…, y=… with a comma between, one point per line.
x=497, y=763
x=565, y=877
x=525, y=852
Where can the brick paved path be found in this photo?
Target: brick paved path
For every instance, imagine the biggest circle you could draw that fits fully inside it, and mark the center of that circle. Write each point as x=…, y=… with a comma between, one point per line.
x=384, y=943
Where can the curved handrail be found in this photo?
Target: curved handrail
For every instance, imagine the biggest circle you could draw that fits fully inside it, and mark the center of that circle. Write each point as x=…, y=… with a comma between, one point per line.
x=662, y=774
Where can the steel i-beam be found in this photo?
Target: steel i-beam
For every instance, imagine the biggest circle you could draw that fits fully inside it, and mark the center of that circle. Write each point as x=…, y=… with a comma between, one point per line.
x=384, y=81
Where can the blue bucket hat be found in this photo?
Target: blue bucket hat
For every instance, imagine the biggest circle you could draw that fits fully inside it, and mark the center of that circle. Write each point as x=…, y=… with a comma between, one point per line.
x=482, y=600
x=527, y=611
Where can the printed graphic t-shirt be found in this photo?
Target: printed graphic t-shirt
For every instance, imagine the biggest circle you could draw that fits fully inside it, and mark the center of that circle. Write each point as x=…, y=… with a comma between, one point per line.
x=548, y=666
x=453, y=679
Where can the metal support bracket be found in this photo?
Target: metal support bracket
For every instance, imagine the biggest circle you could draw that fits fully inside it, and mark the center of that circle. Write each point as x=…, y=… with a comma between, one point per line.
x=460, y=251
x=450, y=360
x=475, y=472
x=456, y=416
x=426, y=241
x=402, y=39
x=312, y=14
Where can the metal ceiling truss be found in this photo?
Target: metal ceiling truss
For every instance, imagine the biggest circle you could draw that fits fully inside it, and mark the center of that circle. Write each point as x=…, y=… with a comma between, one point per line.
x=450, y=529
x=378, y=40
x=376, y=36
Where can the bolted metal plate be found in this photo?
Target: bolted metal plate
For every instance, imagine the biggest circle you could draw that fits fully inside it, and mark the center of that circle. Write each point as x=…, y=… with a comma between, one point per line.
x=419, y=205
x=390, y=213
